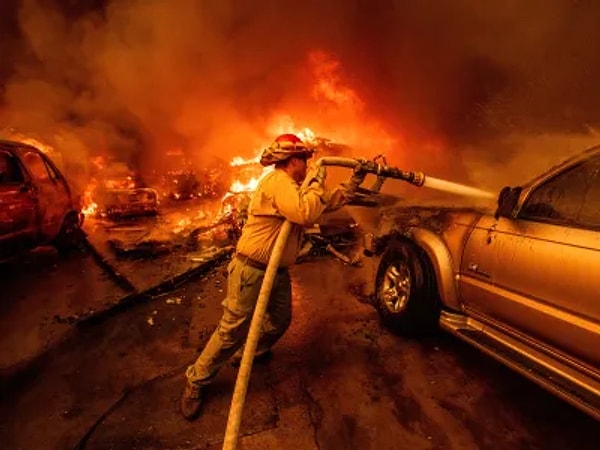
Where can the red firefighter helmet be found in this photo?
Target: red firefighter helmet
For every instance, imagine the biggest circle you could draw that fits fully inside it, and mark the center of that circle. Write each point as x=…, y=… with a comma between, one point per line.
x=288, y=139
x=284, y=147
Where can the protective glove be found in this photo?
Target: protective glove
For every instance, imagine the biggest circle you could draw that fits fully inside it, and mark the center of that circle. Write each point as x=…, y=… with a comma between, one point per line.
x=357, y=178
x=317, y=175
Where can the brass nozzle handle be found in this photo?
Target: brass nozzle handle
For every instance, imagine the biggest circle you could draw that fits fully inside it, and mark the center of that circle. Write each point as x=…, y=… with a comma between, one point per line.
x=416, y=178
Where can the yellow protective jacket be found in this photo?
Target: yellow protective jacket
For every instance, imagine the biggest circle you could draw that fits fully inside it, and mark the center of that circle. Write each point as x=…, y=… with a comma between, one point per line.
x=277, y=198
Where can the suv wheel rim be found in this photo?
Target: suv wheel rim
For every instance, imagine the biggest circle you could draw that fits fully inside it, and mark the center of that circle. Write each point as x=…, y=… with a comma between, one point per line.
x=396, y=287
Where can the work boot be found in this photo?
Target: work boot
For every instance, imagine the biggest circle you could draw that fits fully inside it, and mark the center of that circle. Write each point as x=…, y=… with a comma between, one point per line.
x=258, y=358
x=191, y=400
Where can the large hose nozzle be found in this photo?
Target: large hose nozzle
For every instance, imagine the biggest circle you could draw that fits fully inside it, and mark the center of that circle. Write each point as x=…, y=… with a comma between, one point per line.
x=373, y=167
x=416, y=178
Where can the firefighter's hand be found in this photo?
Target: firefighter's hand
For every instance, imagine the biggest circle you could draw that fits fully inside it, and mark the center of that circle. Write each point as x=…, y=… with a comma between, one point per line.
x=317, y=175
x=357, y=178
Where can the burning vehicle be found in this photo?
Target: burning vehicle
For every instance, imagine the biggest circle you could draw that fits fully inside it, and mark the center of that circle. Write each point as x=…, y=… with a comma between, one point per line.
x=116, y=191
x=36, y=205
x=518, y=283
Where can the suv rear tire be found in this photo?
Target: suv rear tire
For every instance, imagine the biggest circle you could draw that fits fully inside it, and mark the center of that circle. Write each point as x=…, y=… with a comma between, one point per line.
x=406, y=296
x=71, y=235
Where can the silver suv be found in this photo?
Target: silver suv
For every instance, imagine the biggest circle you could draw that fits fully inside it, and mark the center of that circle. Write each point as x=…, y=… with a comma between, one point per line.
x=520, y=283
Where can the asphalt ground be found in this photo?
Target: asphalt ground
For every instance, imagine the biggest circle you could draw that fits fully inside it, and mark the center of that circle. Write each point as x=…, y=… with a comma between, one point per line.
x=338, y=380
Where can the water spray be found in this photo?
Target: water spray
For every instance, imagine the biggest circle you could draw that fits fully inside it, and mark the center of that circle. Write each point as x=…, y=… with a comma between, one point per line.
x=382, y=171
x=456, y=188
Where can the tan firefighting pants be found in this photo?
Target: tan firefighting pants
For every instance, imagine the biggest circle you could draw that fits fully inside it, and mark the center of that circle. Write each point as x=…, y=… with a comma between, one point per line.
x=243, y=287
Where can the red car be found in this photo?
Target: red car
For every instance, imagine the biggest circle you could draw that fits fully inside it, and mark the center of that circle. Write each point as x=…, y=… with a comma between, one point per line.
x=36, y=205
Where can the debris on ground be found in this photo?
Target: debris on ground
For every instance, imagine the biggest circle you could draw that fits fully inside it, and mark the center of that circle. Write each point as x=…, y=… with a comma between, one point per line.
x=144, y=249
x=334, y=238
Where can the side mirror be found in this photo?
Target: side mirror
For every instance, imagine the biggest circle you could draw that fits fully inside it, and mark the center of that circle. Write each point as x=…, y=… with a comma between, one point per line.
x=507, y=201
x=25, y=187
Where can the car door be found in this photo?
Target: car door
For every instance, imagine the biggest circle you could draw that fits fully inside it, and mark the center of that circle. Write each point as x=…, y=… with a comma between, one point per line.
x=538, y=273
x=18, y=211
x=52, y=197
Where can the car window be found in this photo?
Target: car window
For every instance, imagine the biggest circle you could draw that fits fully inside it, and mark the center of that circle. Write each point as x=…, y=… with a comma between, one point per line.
x=560, y=200
x=36, y=166
x=54, y=175
x=10, y=172
x=589, y=215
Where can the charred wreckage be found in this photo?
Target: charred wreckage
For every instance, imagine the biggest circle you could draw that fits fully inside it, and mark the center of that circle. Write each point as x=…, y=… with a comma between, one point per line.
x=118, y=197
x=123, y=195
x=337, y=235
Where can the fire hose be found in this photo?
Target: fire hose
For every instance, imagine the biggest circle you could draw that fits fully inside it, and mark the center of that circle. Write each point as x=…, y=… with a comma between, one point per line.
x=241, y=386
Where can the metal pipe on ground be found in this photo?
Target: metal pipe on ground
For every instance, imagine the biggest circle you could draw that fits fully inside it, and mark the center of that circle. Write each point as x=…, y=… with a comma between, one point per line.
x=241, y=386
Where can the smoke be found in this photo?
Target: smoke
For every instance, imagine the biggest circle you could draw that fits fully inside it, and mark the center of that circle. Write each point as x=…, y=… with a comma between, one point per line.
x=456, y=88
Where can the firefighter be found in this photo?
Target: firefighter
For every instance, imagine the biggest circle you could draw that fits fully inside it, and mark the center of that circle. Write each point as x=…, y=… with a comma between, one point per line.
x=277, y=198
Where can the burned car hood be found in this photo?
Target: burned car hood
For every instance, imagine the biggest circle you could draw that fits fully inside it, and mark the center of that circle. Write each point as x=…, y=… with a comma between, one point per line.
x=434, y=216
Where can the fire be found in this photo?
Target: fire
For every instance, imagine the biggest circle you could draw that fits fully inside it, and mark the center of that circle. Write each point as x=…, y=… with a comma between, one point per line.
x=44, y=148
x=249, y=174
x=329, y=85
x=182, y=225
x=284, y=123
x=237, y=186
x=35, y=143
x=125, y=183
x=239, y=161
x=333, y=109
x=341, y=113
x=306, y=135
x=250, y=170
x=90, y=208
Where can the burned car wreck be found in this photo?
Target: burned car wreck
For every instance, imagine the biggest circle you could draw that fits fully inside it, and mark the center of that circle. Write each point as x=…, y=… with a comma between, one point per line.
x=117, y=191
x=36, y=204
x=483, y=275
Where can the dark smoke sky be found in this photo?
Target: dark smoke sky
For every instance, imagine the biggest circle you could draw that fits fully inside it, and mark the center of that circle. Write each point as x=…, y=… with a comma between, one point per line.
x=135, y=77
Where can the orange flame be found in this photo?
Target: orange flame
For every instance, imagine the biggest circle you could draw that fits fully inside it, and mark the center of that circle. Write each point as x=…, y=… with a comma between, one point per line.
x=329, y=85
x=90, y=209
x=249, y=182
x=44, y=148
x=341, y=113
x=283, y=123
x=88, y=206
x=239, y=161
